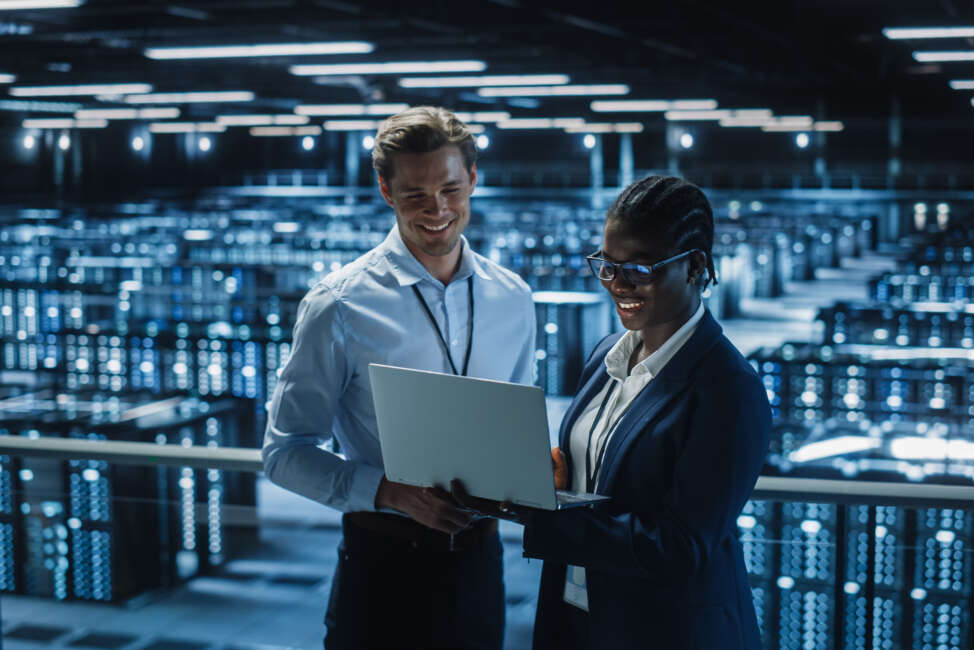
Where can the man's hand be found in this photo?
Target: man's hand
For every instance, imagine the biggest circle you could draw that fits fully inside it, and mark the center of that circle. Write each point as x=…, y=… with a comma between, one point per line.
x=490, y=508
x=431, y=507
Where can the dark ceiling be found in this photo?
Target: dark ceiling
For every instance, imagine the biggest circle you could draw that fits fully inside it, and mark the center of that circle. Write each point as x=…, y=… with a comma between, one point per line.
x=826, y=58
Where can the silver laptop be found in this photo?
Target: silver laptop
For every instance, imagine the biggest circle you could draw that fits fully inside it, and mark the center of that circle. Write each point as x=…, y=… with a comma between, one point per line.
x=492, y=435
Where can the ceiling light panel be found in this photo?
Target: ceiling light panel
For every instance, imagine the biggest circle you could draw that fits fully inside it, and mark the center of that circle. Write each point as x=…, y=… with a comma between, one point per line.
x=155, y=113
x=349, y=109
x=606, y=127
x=485, y=80
x=483, y=116
x=191, y=98
x=281, y=131
x=944, y=57
x=541, y=123
x=962, y=84
x=828, y=126
x=64, y=124
x=258, y=50
x=652, y=105
x=38, y=107
x=898, y=33
x=261, y=120
x=85, y=89
x=187, y=127
x=7, y=78
x=392, y=67
x=14, y=5
x=684, y=116
x=555, y=91
x=351, y=125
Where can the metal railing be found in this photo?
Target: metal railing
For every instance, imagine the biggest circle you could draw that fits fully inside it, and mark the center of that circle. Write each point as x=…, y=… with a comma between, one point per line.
x=772, y=488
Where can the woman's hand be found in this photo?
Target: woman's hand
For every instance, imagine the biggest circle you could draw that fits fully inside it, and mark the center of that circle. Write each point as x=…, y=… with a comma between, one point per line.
x=560, y=467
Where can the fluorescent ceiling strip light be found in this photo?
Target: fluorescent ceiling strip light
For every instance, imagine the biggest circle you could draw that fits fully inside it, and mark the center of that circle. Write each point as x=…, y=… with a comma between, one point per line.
x=64, y=124
x=630, y=105
x=541, y=123
x=13, y=5
x=962, y=84
x=159, y=113
x=744, y=122
x=693, y=104
x=774, y=127
x=261, y=120
x=606, y=127
x=351, y=125
x=280, y=131
x=555, y=91
x=683, y=116
x=484, y=116
x=485, y=80
x=191, y=97
x=751, y=113
x=652, y=105
x=944, y=57
x=392, y=67
x=7, y=78
x=898, y=33
x=85, y=89
x=37, y=107
x=828, y=126
x=263, y=49
x=793, y=120
x=350, y=109
x=187, y=127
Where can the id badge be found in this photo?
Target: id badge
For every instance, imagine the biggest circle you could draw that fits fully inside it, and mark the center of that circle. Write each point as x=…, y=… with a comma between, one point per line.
x=576, y=593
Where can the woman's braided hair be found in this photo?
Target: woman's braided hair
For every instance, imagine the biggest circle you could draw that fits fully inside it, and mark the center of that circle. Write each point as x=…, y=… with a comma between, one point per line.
x=672, y=210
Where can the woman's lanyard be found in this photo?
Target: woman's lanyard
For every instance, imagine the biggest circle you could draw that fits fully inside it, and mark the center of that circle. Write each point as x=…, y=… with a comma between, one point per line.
x=439, y=334
x=591, y=474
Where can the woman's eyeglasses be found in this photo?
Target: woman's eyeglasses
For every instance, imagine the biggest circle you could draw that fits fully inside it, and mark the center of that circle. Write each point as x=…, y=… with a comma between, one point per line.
x=633, y=273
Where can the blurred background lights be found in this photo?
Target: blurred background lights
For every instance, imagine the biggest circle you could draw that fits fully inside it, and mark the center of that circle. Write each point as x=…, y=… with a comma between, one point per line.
x=307, y=143
x=29, y=142
x=686, y=140
x=589, y=141
x=368, y=142
x=483, y=141
x=205, y=144
x=801, y=140
x=138, y=143
x=64, y=142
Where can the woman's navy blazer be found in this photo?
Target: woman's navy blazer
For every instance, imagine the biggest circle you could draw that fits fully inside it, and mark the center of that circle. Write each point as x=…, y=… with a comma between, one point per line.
x=663, y=562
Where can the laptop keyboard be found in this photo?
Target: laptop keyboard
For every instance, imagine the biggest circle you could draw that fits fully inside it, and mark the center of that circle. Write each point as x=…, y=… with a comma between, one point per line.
x=572, y=497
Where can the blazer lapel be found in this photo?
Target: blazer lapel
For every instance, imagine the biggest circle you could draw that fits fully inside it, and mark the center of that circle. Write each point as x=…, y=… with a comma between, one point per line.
x=672, y=380
x=644, y=408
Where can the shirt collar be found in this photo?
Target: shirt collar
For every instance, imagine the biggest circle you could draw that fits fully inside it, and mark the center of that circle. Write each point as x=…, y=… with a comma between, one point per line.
x=407, y=269
x=617, y=359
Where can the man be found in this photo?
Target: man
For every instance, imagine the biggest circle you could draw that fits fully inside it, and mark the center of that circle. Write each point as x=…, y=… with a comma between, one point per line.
x=414, y=571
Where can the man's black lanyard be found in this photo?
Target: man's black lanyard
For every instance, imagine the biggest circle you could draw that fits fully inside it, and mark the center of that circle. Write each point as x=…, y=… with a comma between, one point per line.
x=600, y=452
x=439, y=334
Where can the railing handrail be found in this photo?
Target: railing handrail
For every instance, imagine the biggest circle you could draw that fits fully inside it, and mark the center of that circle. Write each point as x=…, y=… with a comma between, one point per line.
x=774, y=488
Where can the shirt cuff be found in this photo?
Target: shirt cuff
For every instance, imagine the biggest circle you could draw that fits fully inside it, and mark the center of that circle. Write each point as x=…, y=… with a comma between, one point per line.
x=365, y=484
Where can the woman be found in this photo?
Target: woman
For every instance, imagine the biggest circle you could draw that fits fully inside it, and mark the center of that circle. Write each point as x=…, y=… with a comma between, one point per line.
x=672, y=423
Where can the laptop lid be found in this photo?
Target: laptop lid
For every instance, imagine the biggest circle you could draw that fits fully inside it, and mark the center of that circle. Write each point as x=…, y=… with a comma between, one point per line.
x=492, y=435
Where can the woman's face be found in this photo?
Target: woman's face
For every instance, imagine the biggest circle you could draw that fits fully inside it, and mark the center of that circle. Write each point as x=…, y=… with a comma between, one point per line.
x=671, y=296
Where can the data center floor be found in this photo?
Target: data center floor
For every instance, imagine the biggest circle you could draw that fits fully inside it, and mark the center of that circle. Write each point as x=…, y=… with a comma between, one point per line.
x=274, y=598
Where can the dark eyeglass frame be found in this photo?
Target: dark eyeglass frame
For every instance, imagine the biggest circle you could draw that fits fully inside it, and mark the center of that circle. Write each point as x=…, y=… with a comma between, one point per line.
x=633, y=273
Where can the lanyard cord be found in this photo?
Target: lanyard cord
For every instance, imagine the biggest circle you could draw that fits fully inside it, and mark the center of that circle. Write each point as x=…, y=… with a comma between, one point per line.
x=590, y=474
x=439, y=334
